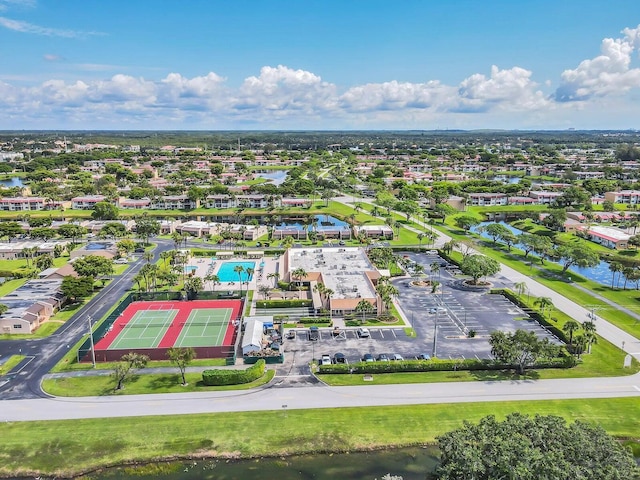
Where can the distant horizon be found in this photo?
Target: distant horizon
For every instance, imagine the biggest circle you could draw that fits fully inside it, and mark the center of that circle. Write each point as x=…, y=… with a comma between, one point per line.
x=323, y=65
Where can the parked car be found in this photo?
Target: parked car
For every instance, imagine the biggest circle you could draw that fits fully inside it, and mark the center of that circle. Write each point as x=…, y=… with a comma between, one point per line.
x=423, y=356
x=341, y=243
x=383, y=357
x=340, y=358
x=397, y=357
x=121, y=261
x=314, y=333
x=291, y=334
x=139, y=250
x=363, y=332
x=367, y=357
x=325, y=360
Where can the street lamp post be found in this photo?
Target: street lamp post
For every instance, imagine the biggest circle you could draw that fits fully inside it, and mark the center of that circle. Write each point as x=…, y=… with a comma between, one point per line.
x=435, y=338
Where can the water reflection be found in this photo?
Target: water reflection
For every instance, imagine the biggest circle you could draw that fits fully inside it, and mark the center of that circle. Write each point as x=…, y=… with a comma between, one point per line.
x=409, y=463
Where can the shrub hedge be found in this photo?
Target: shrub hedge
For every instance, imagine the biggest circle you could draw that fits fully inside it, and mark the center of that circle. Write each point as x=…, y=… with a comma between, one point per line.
x=433, y=365
x=313, y=320
x=283, y=303
x=234, y=377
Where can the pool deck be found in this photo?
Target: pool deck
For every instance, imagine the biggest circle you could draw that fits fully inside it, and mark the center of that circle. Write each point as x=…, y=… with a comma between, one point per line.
x=206, y=266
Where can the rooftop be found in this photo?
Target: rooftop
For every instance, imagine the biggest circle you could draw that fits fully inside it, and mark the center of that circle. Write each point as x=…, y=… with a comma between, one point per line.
x=343, y=269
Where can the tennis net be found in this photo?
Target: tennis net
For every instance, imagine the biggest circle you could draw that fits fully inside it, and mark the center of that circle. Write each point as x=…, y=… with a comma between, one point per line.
x=145, y=325
x=205, y=324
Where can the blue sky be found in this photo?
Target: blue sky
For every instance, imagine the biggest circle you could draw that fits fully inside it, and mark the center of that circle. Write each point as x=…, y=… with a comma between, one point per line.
x=325, y=64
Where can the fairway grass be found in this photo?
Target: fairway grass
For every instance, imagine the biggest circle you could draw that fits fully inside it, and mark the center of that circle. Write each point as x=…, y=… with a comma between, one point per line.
x=72, y=447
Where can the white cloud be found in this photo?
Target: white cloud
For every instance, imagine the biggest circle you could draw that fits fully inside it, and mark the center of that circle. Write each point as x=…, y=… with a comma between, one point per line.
x=26, y=27
x=50, y=57
x=607, y=74
x=280, y=88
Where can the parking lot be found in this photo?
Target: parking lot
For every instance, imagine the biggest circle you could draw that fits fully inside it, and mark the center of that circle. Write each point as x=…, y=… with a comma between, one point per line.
x=448, y=316
x=453, y=311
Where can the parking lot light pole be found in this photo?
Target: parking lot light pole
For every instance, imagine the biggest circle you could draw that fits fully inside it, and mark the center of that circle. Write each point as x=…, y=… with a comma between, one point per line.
x=435, y=338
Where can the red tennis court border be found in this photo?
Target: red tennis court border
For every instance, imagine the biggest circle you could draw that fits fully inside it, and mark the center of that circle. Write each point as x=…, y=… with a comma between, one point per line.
x=173, y=332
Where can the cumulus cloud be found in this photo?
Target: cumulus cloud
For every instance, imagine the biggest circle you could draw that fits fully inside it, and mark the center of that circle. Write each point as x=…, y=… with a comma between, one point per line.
x=607, y=74
x=282, y=88
x=26, y=27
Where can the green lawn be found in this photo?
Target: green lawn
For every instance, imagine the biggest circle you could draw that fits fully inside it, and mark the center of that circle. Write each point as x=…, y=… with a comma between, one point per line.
x=10, y=285
x=29, y=448
x=139, y=384
x=10, y=363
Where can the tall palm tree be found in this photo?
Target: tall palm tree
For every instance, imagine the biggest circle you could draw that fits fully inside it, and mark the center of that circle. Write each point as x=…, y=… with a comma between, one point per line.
x=570, y=328
x=364, y=307
x=239, y=269
x=275, y=276
x=615, y=267
x=590, y=333
x=544, y=303
x=520, y=287
x=299, y=273
x=213, y=280
x=164, y=256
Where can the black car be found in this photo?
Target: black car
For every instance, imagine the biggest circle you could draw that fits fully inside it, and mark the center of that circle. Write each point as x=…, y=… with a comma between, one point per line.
x=340, y=358
x=423, y=356
x=367, y=357
x=383, y=357
x=139, y=250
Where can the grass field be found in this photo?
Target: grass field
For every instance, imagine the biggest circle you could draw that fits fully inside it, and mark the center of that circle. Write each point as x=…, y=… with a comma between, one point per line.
x=66, y=447
x=10, y=363
x=140, y=384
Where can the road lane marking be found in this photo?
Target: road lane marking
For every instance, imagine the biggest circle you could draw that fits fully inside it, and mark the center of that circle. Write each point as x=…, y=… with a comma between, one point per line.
x=636, y=387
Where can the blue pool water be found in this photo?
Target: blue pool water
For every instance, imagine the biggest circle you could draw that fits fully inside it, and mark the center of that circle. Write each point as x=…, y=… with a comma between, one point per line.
x=226, y=273
x=97, y=246
x=190, y=268
x=600, y=273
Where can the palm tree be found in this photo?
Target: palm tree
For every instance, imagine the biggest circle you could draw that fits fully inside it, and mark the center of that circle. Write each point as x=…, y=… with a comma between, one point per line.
x=147, y=256
x=213, y=279
x=177, y=239
x=275, y=276
x=520, y=287
x=614, y=267
x=3, y=308
x=138, y=278
x=364, y=307
x=264, y=290
x=239, y=269
x=250, y=271
x=569, y=328
x=164, y=256
x=421, y=237
x=299, y=273
x=544, y=303
x=590, y=334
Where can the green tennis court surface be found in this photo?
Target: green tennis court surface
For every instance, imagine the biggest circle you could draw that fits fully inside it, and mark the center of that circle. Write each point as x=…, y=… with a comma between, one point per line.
x=204, y=327
x=145, y=329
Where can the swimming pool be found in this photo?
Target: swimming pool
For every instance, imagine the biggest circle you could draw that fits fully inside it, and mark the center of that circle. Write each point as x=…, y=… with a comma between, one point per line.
x=190, y=268
x=227, y=273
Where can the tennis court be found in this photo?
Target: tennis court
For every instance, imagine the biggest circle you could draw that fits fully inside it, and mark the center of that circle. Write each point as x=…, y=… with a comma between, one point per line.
x=157, y=326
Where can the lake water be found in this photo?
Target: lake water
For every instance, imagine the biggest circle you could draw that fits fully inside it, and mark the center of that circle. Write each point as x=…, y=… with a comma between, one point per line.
x=12, y=182
x=277, y=177
x=410, y=463
x=600, y=273
x=325, y=222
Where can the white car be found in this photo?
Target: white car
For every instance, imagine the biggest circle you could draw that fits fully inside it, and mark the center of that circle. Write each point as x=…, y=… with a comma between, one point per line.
x=325, y=360
x=363, y=332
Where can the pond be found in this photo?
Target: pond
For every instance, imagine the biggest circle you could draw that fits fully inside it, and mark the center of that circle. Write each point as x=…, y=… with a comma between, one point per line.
x=11, y=182
x=276, y=177
x=324, y=222
x=600, y=273
x=409, y=463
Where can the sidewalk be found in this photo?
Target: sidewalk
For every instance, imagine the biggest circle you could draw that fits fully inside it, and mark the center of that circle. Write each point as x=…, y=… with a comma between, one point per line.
x=157, y=370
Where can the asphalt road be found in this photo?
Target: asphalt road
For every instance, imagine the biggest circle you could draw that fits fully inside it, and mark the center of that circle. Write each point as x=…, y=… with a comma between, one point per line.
x=43, y=353
x=316, y=396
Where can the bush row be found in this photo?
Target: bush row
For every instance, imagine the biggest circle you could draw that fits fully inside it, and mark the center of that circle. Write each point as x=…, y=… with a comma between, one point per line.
x=234, y=377
x=434, y=365
x=283, y=303
x=313, y=320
